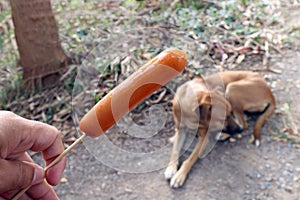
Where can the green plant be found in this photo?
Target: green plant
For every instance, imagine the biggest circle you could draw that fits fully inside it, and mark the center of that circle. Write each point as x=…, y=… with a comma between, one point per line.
x=244, y=2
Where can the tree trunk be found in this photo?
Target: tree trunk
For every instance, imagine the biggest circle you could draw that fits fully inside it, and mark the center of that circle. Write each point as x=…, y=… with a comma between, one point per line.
x=41, y=54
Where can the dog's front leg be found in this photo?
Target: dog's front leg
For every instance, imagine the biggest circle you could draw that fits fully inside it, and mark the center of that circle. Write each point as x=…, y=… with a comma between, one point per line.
x=179, y=178
x=174, y=160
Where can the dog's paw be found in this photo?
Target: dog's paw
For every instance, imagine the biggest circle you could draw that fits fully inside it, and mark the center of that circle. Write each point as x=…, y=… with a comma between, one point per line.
x=257, y=143
x=254, y=141
x=178, y=179
x=170, y=171
x=222, y=137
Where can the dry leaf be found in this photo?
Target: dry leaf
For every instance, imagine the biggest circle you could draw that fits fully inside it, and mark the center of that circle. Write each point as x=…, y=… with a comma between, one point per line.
x=240, y=58
x=63, y=180
x=239, y=136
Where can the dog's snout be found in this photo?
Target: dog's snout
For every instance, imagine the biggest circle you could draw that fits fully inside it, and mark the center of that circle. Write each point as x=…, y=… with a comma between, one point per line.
x=234, y=130
x=232, y=127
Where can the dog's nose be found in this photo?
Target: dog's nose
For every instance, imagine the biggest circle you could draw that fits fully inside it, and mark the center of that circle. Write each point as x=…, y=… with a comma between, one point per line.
x=236, y=129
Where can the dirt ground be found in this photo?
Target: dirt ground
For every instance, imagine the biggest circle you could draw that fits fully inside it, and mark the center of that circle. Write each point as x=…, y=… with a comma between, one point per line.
x=233, y=170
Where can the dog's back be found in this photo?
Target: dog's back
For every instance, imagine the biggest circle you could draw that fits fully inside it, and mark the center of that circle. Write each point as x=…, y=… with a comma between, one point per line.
x=222, y=79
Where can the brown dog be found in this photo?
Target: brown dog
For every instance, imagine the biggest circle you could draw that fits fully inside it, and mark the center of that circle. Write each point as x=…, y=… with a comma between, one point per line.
x=208, y=105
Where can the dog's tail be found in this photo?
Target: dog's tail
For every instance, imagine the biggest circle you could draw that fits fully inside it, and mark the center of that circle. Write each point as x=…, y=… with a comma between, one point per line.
x=262, y=118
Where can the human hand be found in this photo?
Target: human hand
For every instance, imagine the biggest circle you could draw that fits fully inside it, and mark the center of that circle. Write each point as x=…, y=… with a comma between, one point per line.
x=18, y=170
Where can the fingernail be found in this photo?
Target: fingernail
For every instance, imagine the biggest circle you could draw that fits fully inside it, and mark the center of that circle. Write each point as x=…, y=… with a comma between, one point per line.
x=38, y=176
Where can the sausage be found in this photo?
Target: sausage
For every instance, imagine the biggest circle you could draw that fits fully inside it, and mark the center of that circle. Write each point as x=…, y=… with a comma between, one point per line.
x=154, y=74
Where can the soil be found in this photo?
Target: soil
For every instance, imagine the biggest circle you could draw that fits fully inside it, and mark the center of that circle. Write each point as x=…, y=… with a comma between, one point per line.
x=233, y=170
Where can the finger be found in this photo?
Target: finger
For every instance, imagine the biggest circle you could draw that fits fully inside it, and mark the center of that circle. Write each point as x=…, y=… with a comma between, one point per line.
x=55, y=148
x=47, y=140
x=42, y=191
x=17, y=175
x=11, y=194
x=23, y=157
x=27, y=134
x=54, y=174
x=19, y=134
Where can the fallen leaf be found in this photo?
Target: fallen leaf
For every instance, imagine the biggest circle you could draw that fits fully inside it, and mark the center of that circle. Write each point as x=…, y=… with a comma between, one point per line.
x=297, y=146
x=240, y=58
x=63, y=180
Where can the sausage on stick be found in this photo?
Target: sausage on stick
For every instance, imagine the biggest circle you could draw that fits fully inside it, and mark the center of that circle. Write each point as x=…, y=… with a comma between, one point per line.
x=154, y=74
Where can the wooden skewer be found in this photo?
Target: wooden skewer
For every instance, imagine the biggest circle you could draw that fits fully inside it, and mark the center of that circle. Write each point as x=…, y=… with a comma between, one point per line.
x=54, y=162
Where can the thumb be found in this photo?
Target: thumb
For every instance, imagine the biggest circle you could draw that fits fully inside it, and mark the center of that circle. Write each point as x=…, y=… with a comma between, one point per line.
x=17, y=175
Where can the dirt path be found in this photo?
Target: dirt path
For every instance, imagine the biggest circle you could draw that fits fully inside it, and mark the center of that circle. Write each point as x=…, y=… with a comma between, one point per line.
x=231, y=171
